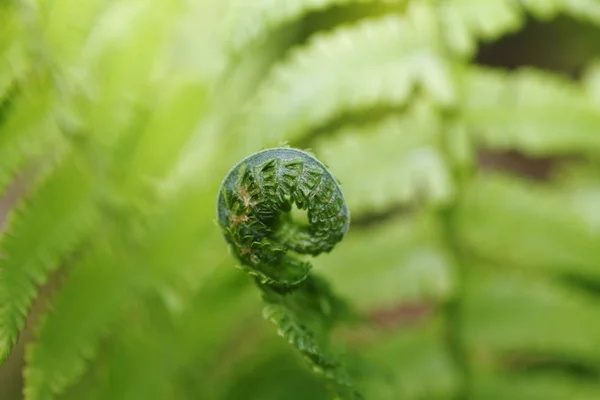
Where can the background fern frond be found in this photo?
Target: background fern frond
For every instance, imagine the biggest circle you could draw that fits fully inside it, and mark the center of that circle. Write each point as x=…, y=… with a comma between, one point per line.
x=58, y=358
x=386, y=59
x=12, y=50
x=164, y=314
x=409, y=262
x=566, y=120
x=411, y=377
x=406, y=165
x=464, y=22
x=28, y=130
x=586, y=10
x=251, y=21
x=520, y=326
x=548, y=220
x=40, y=236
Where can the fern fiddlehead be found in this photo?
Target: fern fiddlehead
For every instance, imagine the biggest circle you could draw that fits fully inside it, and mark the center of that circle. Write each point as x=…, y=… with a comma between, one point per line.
x=254, y=210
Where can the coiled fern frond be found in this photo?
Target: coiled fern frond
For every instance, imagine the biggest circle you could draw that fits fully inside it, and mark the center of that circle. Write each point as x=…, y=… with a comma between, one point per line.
x=254, y=210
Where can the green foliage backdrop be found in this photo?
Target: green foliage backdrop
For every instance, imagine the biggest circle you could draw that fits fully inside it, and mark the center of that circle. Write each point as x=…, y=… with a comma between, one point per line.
x=119, y=119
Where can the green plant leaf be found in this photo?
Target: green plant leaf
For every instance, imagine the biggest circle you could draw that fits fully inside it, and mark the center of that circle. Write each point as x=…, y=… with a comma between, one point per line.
x=54, y=222
x=95, y=295
x=250, y=22
x=555, y=235
x=405, y=161
x=512, y=314
x=29, y=129
x=464, y=22
x=385, y=60
x=531, y=111
x=406, y=359
x=407, y=259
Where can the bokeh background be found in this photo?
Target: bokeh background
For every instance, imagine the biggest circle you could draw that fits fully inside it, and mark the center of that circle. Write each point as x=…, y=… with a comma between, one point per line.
x=466, y=136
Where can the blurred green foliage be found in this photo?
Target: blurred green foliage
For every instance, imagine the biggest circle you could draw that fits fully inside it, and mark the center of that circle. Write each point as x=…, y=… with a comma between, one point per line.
x=471, y=171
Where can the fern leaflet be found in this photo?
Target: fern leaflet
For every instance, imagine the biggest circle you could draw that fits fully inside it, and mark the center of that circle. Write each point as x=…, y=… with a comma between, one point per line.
x=531, y=111
x=386, y=59
x=38, y=238
x=252, y=21
x=406, y=163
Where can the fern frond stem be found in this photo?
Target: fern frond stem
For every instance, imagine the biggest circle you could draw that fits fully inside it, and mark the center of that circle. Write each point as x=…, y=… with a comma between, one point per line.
x=453, y=307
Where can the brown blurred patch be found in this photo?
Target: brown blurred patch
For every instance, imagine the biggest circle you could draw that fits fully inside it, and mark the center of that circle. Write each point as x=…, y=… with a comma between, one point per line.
x=514, y=162
x=383, y=322
x=401, y=315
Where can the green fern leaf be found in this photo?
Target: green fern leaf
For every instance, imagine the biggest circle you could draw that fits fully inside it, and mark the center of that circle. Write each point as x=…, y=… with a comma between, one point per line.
x=34, y=250
x=555, y=234
x=62, y=45
x=117, y=66
x=406, y=163
x=199, y=332
x=407, y=259
x=94, y=295
x=53, y=222
x=35, y=253
x=29, y=130
x=464, y=22
x=412, y=362
x=251, y=21
x=585, y=10
x=121, y=271
x=530, y=111
x=14, y=65
x=385, y=59
x=512, y=314
x=544, y=10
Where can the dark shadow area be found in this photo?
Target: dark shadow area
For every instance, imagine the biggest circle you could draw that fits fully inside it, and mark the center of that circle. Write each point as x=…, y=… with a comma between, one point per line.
x=517, y=163
x=533, y=363
x=563, y=45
